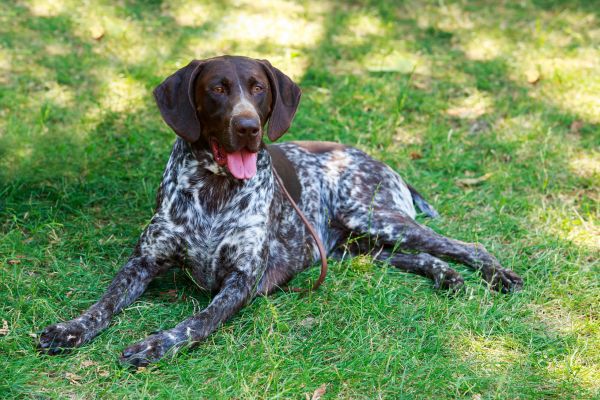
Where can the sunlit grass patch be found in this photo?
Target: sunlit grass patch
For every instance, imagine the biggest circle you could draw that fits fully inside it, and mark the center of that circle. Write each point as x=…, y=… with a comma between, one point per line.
x=493, y=355
x=579, y=369
x=46, y=8
x=120, y=93
x=361, y=28
x=586, y=165
x=441, y=91
x=279, y=32
x=283, y=23
x=570, y=82
x=563, y=219
x=472, y=105
x=189, y=13
x=5, y=64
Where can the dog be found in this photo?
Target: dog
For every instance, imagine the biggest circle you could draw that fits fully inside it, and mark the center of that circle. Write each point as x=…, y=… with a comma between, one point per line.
x=221, y=215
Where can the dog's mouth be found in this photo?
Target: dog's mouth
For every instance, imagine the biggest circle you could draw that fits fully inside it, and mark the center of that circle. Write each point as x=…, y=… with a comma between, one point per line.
x=241, y=163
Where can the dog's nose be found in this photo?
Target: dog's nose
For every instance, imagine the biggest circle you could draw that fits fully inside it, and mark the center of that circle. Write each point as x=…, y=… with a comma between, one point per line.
x=244, y=126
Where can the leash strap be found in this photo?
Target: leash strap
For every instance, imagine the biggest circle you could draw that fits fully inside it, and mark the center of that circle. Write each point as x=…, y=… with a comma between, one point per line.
x=312, y=232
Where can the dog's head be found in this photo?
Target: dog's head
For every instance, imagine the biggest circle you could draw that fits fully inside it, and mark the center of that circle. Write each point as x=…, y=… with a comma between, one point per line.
x=226, y=102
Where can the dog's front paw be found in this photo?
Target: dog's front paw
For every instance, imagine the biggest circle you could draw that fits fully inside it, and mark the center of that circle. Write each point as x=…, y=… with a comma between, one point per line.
x=503, y=280
x=58, y=338
x=150, y=350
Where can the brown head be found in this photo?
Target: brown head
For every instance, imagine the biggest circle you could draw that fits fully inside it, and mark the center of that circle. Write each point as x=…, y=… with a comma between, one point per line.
x=224, y=103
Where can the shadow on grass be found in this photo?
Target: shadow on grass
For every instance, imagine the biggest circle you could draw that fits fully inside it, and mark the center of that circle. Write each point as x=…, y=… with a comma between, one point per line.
x=80, y=175
x=509, y=100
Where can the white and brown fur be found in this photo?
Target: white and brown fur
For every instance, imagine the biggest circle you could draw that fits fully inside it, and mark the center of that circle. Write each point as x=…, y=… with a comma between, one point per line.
x=241, y=238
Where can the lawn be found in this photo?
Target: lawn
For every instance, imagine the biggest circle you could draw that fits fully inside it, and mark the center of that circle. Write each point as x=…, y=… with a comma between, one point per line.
x=491, y=109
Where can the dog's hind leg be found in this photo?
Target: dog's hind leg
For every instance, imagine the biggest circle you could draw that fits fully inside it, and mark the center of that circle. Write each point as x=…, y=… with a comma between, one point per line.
x=423, y=264
x=395, y=229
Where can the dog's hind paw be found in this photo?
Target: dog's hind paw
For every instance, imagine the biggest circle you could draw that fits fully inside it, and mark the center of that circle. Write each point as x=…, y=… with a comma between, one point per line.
x=503, y=280
x=448, y=279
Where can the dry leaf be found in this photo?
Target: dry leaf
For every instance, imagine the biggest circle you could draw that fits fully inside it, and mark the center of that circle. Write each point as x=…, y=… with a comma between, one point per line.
x=415, y=155
x=97, y=32
x=88, y=363
x=576, y=127
x=533, y=76
x=466, y=182
x=103, y=373
x=73, y=379
x=467, y=112
x=4, y=330
x=319, y=392
x=14, y=262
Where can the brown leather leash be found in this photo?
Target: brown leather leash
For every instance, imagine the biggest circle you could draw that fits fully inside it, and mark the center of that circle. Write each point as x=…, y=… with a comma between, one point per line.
x=312, y=232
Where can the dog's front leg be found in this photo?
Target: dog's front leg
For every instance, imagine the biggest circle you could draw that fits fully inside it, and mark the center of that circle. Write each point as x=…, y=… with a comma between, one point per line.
x=234, y=294
x=129, y=283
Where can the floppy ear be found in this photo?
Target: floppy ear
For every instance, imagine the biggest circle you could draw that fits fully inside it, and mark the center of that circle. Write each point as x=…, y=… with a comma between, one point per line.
x=285, y=99
x=175, y=99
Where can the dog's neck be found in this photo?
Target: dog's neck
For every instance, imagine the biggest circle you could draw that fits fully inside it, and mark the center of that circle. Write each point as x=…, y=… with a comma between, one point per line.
x=200, y=150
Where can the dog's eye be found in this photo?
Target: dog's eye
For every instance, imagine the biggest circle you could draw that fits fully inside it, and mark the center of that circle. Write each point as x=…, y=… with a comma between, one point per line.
x=257, y=89
x=218, y=89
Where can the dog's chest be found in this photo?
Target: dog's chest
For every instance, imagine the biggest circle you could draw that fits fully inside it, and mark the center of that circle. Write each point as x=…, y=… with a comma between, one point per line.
x=222, y=223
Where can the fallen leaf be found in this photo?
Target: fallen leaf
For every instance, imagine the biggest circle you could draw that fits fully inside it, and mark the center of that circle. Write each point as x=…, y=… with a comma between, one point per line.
x=4, y=330
x=576, y=127
x=88, y=363
x=103, y=373
x=319, y=392
x=466, y=182
x=415, y=155
x=14, y=262
x=73, y=378
x=467, y=112
x=97, y=32
x=533, y=76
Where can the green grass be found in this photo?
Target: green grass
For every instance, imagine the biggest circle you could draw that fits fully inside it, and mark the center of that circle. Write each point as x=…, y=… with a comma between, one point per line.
x=439, y=90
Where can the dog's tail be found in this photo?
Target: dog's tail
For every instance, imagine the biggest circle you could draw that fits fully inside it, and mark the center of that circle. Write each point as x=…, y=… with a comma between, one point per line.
x=423, y=205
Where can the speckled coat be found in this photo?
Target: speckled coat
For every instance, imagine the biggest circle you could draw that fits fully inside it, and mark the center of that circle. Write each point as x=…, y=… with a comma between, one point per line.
x=241, y=237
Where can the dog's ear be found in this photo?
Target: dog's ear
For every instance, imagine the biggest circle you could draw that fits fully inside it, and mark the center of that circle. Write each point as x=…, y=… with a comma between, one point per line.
x=175, y=99
x=285, y=95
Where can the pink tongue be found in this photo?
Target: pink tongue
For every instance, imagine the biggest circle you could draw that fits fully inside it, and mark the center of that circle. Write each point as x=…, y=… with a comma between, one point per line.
x=242, y=164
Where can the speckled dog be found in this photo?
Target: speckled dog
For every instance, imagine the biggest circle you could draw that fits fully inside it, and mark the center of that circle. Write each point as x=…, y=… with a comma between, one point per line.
x=220, y=213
